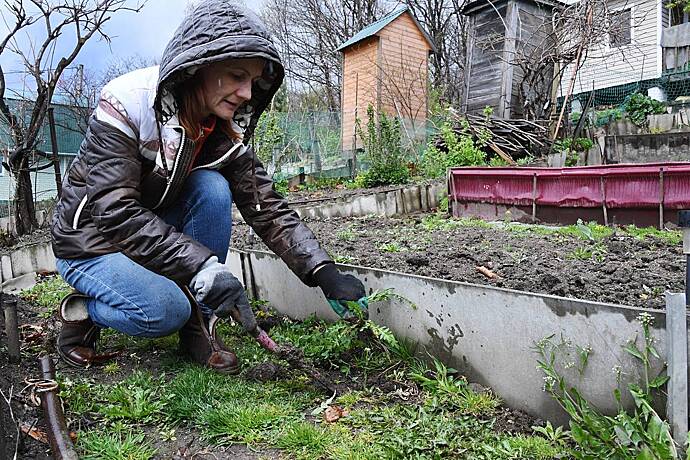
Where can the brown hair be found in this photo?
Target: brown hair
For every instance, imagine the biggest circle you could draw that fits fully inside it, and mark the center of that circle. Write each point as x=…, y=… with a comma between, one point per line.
x=190, y=99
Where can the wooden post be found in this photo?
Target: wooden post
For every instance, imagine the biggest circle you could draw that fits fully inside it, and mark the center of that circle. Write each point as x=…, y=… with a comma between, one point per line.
x=603, y=200
x=11, y=328
x=353, y=171
x=55, y=158
x=661, y=198
x=677, y=359
x=534, y=197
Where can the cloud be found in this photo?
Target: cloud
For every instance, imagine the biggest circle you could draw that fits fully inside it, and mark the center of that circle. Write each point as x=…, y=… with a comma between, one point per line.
x=145, y=34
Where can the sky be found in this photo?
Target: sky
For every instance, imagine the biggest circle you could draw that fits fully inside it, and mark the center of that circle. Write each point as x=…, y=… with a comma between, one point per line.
x=145, y=33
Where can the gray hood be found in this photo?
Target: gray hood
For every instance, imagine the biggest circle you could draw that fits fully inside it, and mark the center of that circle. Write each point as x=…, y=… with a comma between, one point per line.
x=217, y=30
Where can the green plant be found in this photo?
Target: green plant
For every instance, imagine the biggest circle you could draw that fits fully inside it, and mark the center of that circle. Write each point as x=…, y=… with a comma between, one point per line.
x=48, y=293
x=136, y=399
x=346, y=235
x=555, y=435
x=596, y=252
x=384, y=153
x=459, y=150
x=390, y=247
x=670, y=237
x=268, y=135
x=641, y=434
x=117, y=443
x=638, y=106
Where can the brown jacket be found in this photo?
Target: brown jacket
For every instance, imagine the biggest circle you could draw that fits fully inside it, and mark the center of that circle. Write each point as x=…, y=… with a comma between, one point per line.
x=102, y=210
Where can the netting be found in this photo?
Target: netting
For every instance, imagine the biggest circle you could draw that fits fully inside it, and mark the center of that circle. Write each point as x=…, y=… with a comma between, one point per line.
x=672, y=86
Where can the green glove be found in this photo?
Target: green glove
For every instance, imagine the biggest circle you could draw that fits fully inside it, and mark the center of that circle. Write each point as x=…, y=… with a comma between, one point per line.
x=348, y=309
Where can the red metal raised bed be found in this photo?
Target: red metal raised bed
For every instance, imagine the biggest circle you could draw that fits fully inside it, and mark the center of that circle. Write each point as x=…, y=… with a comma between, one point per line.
x=643, y=194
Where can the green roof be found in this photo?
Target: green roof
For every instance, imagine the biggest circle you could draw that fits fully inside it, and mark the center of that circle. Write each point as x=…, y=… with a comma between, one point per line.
x=374, y=28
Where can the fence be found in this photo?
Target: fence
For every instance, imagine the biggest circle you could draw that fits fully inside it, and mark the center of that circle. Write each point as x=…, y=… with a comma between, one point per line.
x=311, y=143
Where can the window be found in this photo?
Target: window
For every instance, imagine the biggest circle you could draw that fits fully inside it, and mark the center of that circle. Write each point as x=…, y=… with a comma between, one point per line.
x=620, y=33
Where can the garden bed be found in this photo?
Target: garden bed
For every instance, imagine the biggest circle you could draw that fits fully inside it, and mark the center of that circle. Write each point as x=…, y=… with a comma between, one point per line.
x=626, y=266
x=149, y=403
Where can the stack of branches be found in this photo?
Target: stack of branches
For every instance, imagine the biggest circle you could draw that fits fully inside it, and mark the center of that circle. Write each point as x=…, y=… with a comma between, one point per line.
x=509, y=139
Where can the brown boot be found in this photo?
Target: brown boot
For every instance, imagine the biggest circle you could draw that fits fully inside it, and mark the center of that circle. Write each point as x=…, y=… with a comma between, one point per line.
x=76, y=343
x=202, y=344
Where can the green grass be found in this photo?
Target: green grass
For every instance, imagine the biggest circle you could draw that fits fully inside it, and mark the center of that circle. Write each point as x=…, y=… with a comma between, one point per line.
x=446, y=420
x=117, y=443
x=47, y=294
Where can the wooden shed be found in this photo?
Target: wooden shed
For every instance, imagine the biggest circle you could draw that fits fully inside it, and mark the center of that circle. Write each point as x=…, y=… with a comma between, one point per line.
x=497, y=32
x=386, y=65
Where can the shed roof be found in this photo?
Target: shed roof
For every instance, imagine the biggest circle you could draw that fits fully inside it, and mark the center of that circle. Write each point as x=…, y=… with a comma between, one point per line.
x=477, y=5
x=375, y=27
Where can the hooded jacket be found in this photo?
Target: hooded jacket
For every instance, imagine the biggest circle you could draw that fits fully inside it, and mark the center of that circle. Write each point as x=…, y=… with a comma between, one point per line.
x=135, y=158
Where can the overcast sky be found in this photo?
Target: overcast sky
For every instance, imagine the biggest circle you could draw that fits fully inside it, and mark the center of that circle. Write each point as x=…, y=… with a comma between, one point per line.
x=145, y=34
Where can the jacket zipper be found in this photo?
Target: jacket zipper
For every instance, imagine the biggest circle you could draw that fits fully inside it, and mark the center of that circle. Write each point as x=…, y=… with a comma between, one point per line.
x=170, y=178
x=77, y=214
x=223, y=158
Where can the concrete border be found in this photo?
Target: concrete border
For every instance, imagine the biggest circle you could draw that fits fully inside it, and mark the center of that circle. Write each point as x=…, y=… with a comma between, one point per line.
x=487, y=333
x=399, y=201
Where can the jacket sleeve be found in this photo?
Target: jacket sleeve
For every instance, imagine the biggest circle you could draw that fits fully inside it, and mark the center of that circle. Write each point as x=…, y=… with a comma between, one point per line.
x=113, y=189
x=276, y=224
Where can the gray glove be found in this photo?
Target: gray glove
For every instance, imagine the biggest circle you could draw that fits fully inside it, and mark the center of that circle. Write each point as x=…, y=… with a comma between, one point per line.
x=217, y=288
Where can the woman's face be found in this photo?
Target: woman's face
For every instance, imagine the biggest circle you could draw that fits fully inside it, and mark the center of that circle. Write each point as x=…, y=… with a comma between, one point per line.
x=227, y=85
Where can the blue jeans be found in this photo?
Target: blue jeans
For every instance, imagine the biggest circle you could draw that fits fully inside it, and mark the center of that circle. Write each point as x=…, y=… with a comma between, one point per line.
x=136, y=301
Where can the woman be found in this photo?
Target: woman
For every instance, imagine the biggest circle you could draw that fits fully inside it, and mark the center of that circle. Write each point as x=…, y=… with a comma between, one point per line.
x=146, y=206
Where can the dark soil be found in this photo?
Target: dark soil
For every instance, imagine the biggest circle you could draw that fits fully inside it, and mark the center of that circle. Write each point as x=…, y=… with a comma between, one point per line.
x=629, y=271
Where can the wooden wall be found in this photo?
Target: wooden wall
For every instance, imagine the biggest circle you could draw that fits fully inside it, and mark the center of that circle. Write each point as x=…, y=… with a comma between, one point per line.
x=533, y=25
x=404, y=77
x=484, y=60
x=360, y=81
x=388, y=71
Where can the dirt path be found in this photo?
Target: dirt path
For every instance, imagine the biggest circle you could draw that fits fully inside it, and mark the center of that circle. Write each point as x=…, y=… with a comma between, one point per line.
x=619, y=269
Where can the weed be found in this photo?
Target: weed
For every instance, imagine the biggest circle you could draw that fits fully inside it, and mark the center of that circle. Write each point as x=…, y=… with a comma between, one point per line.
x=111, y=368
x=117, y=443
x=640, y=434
x=346, y=235
x=590, y=231
x=555, y=435
x=47, y=294
x=136, y=398
x=342, y=259
x=390, y=247
x=305, y=440
x=596, y=252
x=670, y=237
x=244, y=421
x=445, y=389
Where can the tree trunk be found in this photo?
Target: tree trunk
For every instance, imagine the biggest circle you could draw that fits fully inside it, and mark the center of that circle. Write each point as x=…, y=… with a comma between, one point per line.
x=24, y=210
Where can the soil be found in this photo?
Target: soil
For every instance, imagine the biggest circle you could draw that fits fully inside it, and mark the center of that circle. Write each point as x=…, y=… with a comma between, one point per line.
x=628, y=271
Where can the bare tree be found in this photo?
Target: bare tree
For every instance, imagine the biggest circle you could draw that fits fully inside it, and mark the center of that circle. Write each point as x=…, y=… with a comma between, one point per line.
x=308, y=34
x=85, y=20
x=80, y=89
x=446, y=26
x=551, y=47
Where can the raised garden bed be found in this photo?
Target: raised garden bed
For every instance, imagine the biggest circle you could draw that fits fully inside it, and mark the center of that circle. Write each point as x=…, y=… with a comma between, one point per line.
x=626, y=266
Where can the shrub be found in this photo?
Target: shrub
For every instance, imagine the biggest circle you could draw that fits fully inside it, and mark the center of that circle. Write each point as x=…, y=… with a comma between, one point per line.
x=638, y=107
x=461, y=150
x=382, y=146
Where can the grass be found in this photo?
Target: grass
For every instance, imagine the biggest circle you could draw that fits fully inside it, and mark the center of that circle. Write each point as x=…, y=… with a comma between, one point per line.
x=47, y=294
x=447, y=419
